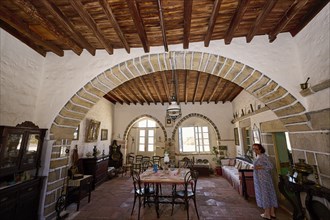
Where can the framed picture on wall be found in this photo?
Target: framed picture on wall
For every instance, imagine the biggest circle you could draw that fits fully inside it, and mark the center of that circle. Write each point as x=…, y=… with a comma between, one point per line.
x=104, y=134
x=92, y=130
x=169, y=122
x=236, y=136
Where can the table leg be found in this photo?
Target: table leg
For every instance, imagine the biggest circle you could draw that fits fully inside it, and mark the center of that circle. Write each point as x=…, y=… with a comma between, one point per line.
x=157, y=200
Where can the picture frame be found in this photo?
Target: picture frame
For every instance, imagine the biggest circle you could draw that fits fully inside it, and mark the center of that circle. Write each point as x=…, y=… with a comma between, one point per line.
x=236, y=137
x=169, y=122
x=76, y=133
x=92, y=132
x=104, y=134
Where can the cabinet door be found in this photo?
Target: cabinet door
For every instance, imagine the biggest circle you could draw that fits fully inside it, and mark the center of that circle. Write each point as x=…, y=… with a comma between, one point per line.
x=10, y=150
x=31, y=150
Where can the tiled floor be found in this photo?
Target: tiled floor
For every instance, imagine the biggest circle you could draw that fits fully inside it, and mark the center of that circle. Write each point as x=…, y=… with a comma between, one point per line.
x=216, y=199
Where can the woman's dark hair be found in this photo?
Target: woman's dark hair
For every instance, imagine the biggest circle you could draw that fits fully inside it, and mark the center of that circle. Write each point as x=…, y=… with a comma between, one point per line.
x=260, y=147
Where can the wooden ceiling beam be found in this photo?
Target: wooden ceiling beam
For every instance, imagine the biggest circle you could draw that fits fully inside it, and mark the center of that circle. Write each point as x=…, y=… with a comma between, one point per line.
x=146, y=88
x=186, y=84
x=138, y=89
x=33, y=12
x=213, y=20
x=214, y=89
x=162, y=25
x=123, y=96
x=156, y=88
x=187, y=22
x=196, y=87
x=108, y=12
x=165, y=85
x=221, y=92
x=132, y=5
x=128, y=95
x=227, y=93
x=205, y=88
x=112, y=96
x=286, y=18
x=307, y=18
x=268, y=6
x=234, y=93
x=26, y=31
x=131, y=91
x=241, y=8
x=67, y=25
x=88, y=20
x=22, y=38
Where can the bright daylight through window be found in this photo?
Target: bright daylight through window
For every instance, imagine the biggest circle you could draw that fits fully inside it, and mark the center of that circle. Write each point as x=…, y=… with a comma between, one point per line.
x=194, y=139
x=146, y=135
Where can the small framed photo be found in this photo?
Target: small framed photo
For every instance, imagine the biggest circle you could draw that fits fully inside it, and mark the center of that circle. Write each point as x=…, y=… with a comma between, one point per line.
x=236, y=136
x=104, y=134
x=169, y=122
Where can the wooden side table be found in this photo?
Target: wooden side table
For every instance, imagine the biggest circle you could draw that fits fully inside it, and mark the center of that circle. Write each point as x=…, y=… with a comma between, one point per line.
x=79, y=189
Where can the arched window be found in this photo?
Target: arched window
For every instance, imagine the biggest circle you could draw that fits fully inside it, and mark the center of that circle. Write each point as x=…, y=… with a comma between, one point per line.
x=147, y=130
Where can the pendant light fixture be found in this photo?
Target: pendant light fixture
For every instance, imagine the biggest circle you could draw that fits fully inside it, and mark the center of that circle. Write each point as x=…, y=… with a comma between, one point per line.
x=173, y=110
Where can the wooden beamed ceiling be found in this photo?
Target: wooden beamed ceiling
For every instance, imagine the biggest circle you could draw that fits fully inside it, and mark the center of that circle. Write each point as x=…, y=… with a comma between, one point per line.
x=77, y=25
x=192, y=87
x=59, y=25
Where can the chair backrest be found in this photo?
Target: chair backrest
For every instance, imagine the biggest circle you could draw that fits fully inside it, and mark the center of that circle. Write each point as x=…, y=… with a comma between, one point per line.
x=130, y=159
x=156, y=159
x=138, y=158
x=145, y=158
x=190, y=181
x=146, y=165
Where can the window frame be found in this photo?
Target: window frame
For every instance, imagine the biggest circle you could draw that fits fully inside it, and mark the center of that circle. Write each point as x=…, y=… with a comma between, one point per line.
x=199, y=139
x=147, y=136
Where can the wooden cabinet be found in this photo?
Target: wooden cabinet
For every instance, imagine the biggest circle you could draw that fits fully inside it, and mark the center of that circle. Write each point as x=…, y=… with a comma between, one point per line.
x=20, y=186
x=95, y=166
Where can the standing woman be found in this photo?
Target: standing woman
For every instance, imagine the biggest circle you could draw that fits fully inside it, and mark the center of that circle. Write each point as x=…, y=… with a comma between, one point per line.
x=263, y=183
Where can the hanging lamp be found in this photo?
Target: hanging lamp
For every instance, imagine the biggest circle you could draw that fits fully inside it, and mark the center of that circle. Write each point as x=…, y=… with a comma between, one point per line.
x=173, y=111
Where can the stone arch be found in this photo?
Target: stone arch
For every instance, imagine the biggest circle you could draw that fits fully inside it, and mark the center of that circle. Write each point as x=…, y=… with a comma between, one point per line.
x=142, y=116
x=177, y=125
x=288, y=109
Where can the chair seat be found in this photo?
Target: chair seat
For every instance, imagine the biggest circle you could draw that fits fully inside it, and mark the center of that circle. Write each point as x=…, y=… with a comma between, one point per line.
x=145, y=191
x=181, y=193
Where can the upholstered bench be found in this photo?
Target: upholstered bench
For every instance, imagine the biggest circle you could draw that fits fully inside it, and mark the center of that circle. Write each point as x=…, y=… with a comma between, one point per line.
x=239, y=173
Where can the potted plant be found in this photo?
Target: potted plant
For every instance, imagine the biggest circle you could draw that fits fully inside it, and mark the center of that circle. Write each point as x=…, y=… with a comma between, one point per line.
x=217, y=159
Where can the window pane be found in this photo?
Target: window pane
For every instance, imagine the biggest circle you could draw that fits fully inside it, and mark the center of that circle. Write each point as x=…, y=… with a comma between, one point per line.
x=142, y=124
x=151, y=133
x=142, y=132
x=151, y=140
x=141, y=147
x=151, y=124
x=150, y=147
x=188, y=139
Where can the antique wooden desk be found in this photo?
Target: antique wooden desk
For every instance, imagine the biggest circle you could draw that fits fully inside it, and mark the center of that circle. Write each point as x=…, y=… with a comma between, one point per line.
x=79, y=189
x=175, y=176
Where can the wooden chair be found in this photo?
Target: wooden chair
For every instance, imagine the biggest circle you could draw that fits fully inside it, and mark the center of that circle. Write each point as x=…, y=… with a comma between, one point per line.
x=188, y=192
x=138, y=158
x=156, y=160
x=145, y=158
x=140, y=192
x=146, y=165
x=129, y=164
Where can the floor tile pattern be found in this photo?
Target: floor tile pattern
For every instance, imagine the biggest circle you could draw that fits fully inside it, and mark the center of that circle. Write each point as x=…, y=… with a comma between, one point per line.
x=216, y=199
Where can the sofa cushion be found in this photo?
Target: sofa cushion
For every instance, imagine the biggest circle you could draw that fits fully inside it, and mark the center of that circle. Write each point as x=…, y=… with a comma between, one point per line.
x=232, y=162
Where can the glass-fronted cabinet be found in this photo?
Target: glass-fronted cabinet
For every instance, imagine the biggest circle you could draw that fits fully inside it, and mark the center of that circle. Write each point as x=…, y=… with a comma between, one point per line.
x=20, y=150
